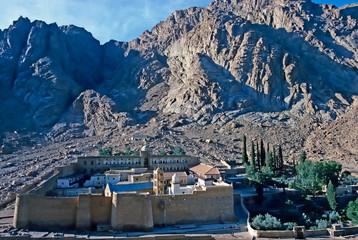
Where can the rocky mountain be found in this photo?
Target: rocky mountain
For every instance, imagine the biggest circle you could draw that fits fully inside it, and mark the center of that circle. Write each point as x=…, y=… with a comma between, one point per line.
x=337, y=140
x=290, y=63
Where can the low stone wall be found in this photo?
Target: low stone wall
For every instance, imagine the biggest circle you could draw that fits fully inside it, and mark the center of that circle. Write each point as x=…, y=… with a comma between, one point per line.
x=318, y=232
x=162, y=237
x=350, y=230
x=46, y=185
x=278, y=233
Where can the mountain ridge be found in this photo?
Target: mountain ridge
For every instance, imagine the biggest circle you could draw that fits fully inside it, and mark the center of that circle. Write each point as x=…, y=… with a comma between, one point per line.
x=292, y=57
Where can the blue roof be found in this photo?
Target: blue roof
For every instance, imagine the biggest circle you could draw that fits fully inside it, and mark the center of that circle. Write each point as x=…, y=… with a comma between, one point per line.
x=130, y=187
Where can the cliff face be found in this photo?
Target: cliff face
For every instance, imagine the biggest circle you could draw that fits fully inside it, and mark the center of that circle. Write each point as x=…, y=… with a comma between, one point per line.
x=43, y=68
x=231, y=57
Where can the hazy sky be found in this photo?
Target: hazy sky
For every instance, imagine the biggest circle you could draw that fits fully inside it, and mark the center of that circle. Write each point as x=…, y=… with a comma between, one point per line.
x=121, y=20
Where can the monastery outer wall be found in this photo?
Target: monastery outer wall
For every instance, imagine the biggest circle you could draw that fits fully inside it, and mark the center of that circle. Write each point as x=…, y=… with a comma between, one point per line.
x=132, y=212
x=51, y=182
x=101, y=208
x=157, y=237
x=83, y=213
x=92, y=210
x=216, y=204
x=40, y=212
x=124, y=211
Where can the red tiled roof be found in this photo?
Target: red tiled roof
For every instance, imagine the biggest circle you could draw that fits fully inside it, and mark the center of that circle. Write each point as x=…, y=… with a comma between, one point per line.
x=204, y=169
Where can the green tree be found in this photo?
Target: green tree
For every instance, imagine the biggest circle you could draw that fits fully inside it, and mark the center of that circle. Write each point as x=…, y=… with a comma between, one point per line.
x=307, y=177
x=163, y=153
x=303, y=157
x=280, y=156
x=260, y=178
x=245, y=158
x=275, y=165
x=311, y=176
x=106, y=151
x=253, y=154
x=258, y=155
x=127, y=151
x=352, y=211
x=330, y=171
x=119, y=153
x=178, y=151
x=269, y=160
x=331, y=196
x=263, y=154
x=135, y=153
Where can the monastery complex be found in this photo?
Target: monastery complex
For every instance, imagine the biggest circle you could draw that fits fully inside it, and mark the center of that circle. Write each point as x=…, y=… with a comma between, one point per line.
x=127, y=193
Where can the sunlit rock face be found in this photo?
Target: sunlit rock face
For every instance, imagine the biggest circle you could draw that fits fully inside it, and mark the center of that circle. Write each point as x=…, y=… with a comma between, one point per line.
x=233, y=56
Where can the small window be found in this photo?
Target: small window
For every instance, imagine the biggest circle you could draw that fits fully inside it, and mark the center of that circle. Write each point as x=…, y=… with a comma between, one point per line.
x=91, y=162
x=85, y=162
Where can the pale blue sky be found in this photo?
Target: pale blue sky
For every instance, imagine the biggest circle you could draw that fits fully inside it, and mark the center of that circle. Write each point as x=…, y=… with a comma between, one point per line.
x=121, y=20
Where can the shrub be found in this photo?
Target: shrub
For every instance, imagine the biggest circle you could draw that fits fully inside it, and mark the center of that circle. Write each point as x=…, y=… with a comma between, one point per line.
x=178, y=151
x=107, y=151
x=163, y=153
x=289, y=225
x=349, y=180
x=266, y=222
x=321, y=224
x=333, y=217
x=290, y=203
x=135, y=153
x=352, y=211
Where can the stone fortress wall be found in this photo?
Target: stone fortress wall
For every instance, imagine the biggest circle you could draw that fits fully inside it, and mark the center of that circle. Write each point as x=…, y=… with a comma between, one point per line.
x=122, y=211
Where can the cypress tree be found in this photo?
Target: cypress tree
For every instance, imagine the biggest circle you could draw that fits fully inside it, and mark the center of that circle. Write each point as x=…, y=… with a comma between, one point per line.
x=269, y=160
x=275, y=165
x=245, y=158
x=303, y=157
x=280, y=156
x=258, y=155
x=331, y=196
x=294, y=164
x=253, y=155
x=263, y=154
x=268, y=147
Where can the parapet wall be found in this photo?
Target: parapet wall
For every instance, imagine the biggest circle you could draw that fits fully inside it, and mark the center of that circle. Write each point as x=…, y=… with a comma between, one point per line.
x=40, y=212
x=124, y=211
x=132, y=212
x=214, y=205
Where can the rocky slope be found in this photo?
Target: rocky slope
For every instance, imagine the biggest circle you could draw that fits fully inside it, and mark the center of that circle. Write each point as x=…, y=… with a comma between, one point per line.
x=337, y=140
x=274, y=69
x=231, y=56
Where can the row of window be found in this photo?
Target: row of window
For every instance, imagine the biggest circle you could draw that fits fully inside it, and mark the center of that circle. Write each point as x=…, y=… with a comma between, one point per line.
x=171, y=168
x=157, y=161
x=119, y=163
x=109, y=162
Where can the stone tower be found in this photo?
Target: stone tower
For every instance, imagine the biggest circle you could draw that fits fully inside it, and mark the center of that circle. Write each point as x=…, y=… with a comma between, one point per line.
x=158, y=181
x=175, y=189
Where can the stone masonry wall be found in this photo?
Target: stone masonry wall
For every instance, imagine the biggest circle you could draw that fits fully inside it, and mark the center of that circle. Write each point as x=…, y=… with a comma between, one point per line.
x=40, y=212
x=214, y=205
x=132, y=212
